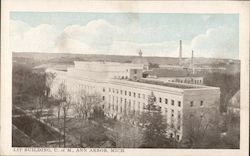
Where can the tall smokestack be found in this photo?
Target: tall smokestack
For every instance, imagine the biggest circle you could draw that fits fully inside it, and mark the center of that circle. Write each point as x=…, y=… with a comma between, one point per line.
x=180, y=54
x=193, y=61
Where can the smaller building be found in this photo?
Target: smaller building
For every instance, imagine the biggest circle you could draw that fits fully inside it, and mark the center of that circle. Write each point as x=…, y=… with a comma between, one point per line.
x=174, y=76
x=190, y=80
x=234, y=104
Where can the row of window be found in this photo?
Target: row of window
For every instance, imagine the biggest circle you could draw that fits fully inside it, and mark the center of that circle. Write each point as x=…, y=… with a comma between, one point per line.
x=127, y=107
x=138, y=95
x=192, y=103
x=172, y=113
x=129, y=93
x=172, y=102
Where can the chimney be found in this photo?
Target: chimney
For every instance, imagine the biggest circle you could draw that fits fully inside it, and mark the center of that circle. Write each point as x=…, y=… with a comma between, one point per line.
x=180, y=54
x=192, y=63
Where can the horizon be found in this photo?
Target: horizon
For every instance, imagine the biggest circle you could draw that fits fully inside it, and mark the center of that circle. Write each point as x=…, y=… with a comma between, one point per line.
x=44, y=53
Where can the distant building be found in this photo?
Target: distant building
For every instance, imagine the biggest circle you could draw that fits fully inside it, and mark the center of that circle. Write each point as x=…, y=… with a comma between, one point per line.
x=176, y=76
x=234, y=104
x=124, y=91
x=189, y=80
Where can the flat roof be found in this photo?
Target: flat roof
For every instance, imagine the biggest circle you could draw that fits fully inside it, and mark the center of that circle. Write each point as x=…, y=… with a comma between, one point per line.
x=169, y=84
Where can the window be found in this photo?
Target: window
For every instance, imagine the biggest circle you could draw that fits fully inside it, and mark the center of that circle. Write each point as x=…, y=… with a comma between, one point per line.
x=201, y=103
x=121, y=100
x=109, y=89
x=178, y=127
x=178, y=137
x=172, y=102
x=125, y=92
x=103, y=97
x=139, y=95
x=103, y=89
x=113, y=90
x=121, y=92
x=134, y=94
x=172, y=126
x=143, y=96
x=154, y=99
x=179, y=103
x=160, y=100
x=129, y=105
x=166, y=101
x=117, y=91
x=172, y=113
x=135, y=71
x=171, y=135
x=191, y=103
x=129, y=93
x=179, y=114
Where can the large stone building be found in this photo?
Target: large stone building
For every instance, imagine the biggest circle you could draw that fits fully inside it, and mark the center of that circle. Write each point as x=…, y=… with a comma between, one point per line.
x=123, y=90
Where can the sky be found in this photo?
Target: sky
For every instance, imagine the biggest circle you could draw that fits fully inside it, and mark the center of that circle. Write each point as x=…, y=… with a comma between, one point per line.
x=156, y=34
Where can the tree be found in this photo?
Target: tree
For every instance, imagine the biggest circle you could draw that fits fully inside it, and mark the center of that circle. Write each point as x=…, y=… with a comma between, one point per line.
x=49, y=77
x=62, y=102
x=202, y=129
x=155, y=130
x=126, y=133
x=88, y=105
x=232, y=138
x=227, y=88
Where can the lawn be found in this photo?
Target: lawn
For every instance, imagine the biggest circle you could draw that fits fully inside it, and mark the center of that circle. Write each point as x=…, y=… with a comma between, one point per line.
x=35, y=129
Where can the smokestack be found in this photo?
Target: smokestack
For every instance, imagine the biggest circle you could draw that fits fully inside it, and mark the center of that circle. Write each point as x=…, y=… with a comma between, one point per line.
x=180, y=54
x=193, y=61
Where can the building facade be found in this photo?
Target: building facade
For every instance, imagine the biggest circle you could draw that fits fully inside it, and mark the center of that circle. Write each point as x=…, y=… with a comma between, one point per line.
x=124, y=91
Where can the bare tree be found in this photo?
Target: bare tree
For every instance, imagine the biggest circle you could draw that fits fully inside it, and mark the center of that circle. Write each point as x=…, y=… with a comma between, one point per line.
x=61, y=100
x=201, y=128
x=126, y=132
x=85, y=107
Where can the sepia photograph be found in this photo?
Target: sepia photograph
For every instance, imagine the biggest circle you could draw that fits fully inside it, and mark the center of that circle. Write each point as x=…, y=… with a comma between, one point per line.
x=155, y=80
x=101, y=81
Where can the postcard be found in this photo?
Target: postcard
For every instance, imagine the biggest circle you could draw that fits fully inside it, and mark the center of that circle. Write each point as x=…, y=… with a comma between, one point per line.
x=125, y=77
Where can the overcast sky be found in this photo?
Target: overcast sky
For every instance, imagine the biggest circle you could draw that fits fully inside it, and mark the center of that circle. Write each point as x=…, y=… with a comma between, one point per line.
x=156, y=34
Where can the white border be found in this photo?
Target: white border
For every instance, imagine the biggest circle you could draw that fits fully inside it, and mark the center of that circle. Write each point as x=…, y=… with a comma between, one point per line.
x=242, y=8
